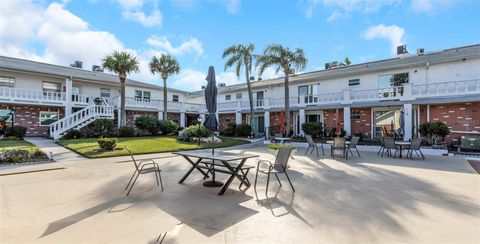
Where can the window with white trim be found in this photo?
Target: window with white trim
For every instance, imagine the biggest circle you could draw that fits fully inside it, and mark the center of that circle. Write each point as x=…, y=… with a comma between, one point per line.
x=354, y=82
x=142, y=95
x=175, y=98
x=6, y=81
x=47, y=117
x=51, y=87
x=105, y=92
x=238, y=96
x=228, y=97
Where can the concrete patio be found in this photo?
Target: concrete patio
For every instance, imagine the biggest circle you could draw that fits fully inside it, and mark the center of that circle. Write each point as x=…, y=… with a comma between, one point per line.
x=368, y=199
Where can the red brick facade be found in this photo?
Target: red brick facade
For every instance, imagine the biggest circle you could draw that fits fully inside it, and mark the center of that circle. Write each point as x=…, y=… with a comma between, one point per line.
x=174, y=116
x=131, y=115
x=224, y=119
x=361, y=121
x=330, y=118
x=29, y=117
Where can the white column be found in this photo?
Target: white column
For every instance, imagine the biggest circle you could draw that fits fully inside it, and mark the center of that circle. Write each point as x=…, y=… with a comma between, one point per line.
x=182, y=119
x=238, y=118
x=202, y=117
x=408, y=121
x=301, y=121
x=428, y=113
x=160, y=115
x=347, y=121
x=266, y=120
x=68, y=97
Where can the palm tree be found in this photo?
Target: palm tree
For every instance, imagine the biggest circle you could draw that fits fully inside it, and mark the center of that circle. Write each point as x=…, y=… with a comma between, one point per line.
x=166, y=65
x=289, y=61
x=238, y=56
x=121, y=63
x=346, y=62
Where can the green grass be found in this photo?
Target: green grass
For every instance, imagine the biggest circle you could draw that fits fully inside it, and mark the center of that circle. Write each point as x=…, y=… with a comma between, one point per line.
x=17, y=144
x=141, y=145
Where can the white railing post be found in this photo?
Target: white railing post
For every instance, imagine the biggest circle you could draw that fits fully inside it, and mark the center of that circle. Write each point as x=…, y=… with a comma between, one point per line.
x=407, y=91
x=346, y=97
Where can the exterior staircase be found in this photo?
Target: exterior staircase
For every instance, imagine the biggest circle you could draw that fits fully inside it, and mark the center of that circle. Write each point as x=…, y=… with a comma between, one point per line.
x=80, y=119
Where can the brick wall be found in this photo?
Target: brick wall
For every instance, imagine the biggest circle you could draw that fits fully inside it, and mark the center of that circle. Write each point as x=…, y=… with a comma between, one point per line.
x=29, y=116
x=224, y=119
x=363, y=123
x=330, y=118
x=275, y=121
x=174, y=116
x=132, y=114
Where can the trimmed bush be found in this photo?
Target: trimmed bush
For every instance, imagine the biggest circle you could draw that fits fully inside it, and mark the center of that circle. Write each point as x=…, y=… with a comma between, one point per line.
x=229, y=129
x=147, y=123
x=197, y=131
x=17, y=131
x=15, y=156
x=278, y=146
x=312, y=128
x=243, y=130
x=126, y=131
x=168, y=127
x=107, y=144
x=72, y=134
x=434, y=131
x=102, y=127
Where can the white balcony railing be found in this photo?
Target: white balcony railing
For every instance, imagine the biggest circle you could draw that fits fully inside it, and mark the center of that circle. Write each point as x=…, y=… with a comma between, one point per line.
x=31, y=96
x=466, y=87
x=377, y=94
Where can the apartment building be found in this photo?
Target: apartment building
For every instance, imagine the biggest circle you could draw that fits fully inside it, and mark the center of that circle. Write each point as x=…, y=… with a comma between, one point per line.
x=367, y=98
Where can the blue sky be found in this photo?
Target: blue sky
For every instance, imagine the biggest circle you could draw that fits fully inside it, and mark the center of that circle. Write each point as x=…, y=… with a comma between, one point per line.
x=196, y=32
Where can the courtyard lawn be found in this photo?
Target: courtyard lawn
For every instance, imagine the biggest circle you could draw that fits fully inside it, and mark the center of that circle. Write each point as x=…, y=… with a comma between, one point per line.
x=141, y=145
x=17, y=144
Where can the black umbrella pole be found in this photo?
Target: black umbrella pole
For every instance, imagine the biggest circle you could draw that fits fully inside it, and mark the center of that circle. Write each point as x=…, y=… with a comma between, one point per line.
x=213, y=183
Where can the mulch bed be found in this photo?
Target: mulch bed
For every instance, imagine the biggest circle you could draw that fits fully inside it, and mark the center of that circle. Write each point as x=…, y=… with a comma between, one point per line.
x=475, y=165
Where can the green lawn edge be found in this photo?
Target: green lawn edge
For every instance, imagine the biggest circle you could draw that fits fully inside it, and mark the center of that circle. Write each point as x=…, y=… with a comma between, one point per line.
x=73, y=144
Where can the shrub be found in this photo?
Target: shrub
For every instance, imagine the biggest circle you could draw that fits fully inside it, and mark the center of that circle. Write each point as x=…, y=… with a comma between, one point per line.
x=72, y=134
x=229, y=129
x=434, y=131
x=16, y=131
x=275, y=146
x=332, y=132
x=243, y=130
x=126, y=131
x=196, y=131
x=107, y=144
x=102, y=127
x=168, y=127
x=147, y=123
x=3, y=126
x=312, y=128
x=15, y=156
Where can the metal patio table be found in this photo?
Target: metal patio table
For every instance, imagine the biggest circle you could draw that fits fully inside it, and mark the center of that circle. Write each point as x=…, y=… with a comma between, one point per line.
x=283, y=139
x=402, y=146
x=227, y=159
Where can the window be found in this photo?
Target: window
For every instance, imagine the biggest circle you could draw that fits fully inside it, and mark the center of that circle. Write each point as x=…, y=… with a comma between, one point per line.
x=7, y=81
x=308, y=93
x=354, y=82
x=228, y=97
x=146, y=95
x=46, y=118
x=355, y=114
x=142, y=95
x=387, y=81
x=175, y=98
x=6, y=115
x=51, y=87
x=238, y=96
x=104, y=92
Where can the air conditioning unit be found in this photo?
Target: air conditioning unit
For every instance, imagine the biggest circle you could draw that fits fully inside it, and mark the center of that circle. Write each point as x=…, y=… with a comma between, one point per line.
x=331, y=65
x=402, y=50
x=420, y=51
x=79, y=64
x=97, y=68
x=252, y=77
x=203, y=87
x=221, y=84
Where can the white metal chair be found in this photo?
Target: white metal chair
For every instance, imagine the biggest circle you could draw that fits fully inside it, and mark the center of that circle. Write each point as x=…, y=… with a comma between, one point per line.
x=278, y=167
x=140, y=169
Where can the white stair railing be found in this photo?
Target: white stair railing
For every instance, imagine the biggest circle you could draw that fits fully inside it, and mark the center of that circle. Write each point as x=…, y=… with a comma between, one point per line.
x=79, y=119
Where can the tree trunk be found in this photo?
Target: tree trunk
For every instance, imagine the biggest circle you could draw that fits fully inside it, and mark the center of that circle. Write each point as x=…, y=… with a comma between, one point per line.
x=165, y=98
x=122, y=115
x=287, y=106
x=250, y=95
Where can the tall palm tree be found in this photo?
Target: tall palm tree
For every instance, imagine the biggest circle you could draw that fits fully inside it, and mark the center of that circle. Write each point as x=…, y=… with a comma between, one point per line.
x=289, y=61
x=165, y=65
x=346, y=62
x=121, y=63
x=238, y=56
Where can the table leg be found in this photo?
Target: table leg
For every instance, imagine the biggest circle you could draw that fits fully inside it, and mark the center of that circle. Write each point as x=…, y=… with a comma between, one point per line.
x=234, y=174
x=401, y=149
x=194, y=166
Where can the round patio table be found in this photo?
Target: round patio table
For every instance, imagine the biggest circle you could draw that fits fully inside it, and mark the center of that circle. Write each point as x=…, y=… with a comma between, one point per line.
x=283, y=139
x=402, y=145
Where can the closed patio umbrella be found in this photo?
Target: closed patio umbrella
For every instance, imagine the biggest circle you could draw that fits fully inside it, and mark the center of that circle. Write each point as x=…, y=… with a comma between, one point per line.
x=402, y=122
x=211, y=118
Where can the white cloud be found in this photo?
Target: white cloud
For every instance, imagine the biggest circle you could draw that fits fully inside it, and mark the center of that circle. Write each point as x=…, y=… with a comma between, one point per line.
x=343, y=8
x=269, y=73
x=309, y=6
x=192, y=45
x=18, y=21
x=335, y=15
x=193, y=80
x=154, y=19
x=429, y=6
x=232, y=6
x=393, y=33
x=130, y=4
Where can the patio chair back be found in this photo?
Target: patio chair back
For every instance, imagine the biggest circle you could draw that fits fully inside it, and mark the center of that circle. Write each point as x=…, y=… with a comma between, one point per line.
x=133, y=159
x=354, y=141
x=338, y=143
x=282, y=159
x=272, y=139
x=382, y=141
x=278, y=135
x=416, y=143
x=310, y=141
x=389, y=142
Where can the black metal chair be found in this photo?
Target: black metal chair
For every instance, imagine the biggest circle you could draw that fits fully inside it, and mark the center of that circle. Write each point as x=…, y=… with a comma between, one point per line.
x=279, y=167
x=389, y=145
x=353, y=145
x=339, y=145
x=415, y=147
x=312, y=145
x=140, y=169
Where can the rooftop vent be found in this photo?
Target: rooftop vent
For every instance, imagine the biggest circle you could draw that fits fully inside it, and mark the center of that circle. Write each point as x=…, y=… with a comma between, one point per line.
x=97, y=68
x=420, y=51
x=203, y=87
x=221, y=84
x=401, y=50
x=77, y=64
x=331, y=65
